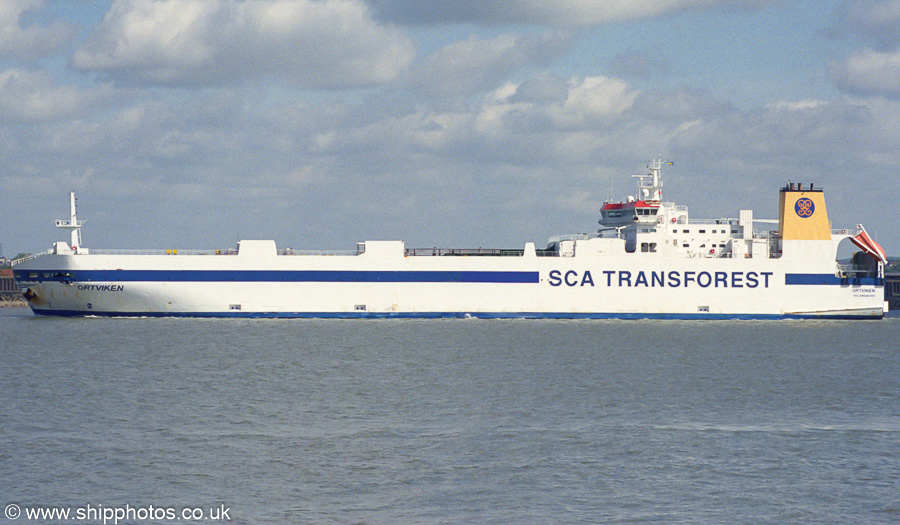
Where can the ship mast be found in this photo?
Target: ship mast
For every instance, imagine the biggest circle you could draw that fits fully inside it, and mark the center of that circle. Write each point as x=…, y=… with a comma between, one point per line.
x=73, y=224
x=649, y=185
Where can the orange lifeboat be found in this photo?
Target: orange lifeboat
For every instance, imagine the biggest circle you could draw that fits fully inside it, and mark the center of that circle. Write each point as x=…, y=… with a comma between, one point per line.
x=869, y=246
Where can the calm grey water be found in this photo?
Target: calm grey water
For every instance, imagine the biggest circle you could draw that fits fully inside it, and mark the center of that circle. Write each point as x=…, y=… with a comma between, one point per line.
x=455, y=421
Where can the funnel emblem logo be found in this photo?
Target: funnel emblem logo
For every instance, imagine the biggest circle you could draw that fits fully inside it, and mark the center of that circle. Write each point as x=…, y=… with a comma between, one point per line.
x=805, y=207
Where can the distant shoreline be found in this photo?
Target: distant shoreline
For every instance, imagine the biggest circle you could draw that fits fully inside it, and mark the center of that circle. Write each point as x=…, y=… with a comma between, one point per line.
x=12, y=300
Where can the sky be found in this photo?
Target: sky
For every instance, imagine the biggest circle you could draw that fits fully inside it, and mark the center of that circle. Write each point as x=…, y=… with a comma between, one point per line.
x=487, y=123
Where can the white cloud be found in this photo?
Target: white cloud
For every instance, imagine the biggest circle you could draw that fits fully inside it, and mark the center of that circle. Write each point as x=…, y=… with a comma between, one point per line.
x=542, y=12
x=26, y=42
x=475, y=64
x=876, y=21
x=875, y=69
x=305, y=43
x=597, y=97
x=797, y=105
x=490, y=140
x=502, y=129
x=869, y=72
x=521, y=162
x=428, y=175
x=28, y=96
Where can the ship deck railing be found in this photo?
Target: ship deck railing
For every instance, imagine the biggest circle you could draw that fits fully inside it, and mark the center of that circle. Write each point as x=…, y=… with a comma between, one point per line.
x=291, y=251
x=852, y=270
x=156, y=251
x=722, y=222
x=475, y=252
x=415, y=252
x=30, y=257
x=230, y=251
x=609, y=233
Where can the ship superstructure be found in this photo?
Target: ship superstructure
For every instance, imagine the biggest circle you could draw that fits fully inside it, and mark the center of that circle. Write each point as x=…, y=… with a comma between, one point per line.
x=648, y=259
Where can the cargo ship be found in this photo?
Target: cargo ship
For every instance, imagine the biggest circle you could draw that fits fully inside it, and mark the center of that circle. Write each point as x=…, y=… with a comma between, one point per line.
x=647, y=259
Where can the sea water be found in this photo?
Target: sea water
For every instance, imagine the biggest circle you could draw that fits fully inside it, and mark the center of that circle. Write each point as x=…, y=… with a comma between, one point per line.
x=451, y=421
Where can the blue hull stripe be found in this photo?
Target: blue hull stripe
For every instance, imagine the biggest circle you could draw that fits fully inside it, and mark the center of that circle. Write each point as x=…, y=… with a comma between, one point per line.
x=829, y=279
x=321, y=276
x=362, y=276
x=349, y=276
x=455, y=315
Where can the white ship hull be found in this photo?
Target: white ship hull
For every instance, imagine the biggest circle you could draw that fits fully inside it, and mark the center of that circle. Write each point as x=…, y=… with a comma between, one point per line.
x=648, y=260
x=374, y=285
